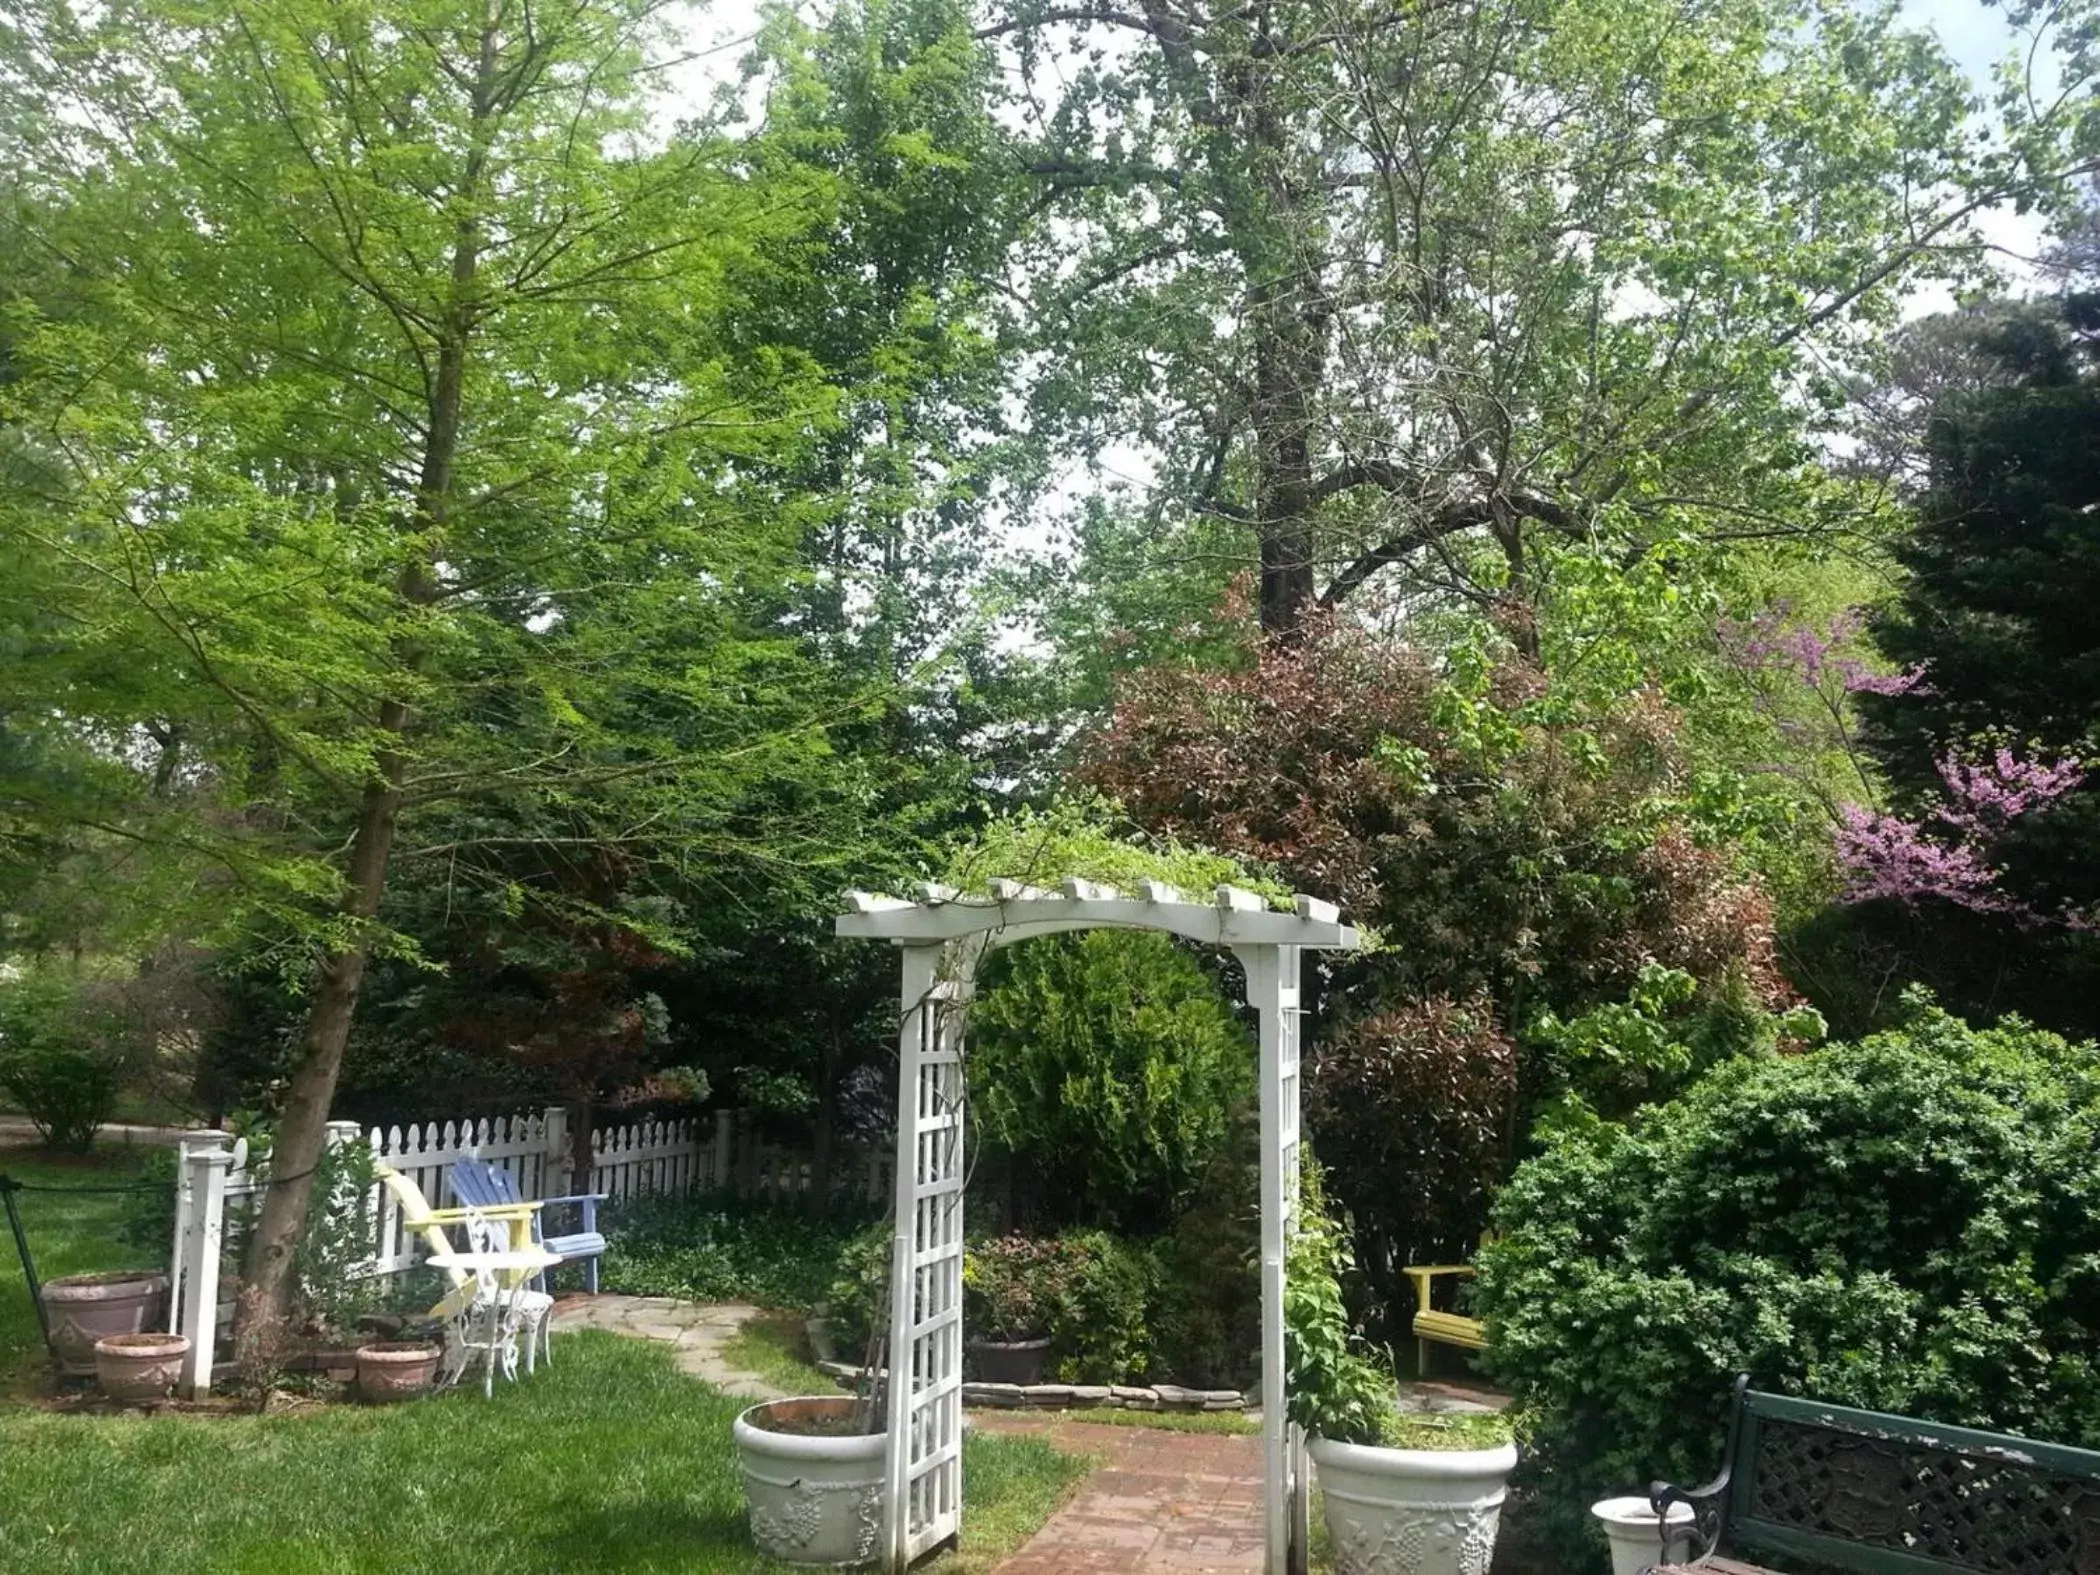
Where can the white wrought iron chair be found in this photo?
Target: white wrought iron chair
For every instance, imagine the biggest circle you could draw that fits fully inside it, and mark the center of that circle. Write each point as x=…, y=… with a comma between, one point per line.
x=499, y=1317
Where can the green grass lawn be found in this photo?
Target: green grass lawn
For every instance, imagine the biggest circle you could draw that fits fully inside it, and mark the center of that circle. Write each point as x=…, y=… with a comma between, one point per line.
x=608, y=1460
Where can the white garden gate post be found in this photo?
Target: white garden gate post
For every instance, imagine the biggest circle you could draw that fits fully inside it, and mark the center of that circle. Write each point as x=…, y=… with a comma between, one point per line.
x=924, y=1459
x=941, y=938
x=203, y=1160
x=1272, y=990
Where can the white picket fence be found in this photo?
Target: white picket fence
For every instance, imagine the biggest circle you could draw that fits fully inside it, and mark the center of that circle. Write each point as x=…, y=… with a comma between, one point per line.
x=629, y=1160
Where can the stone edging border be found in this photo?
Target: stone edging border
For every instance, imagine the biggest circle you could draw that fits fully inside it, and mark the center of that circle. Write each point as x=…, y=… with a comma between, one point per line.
x=1066, y=1397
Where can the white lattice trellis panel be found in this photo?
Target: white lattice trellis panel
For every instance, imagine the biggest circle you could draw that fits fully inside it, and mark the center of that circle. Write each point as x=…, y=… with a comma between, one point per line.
x=925, y=1463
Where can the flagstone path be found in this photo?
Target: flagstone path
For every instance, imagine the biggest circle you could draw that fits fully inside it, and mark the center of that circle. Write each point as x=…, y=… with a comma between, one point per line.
x=696, y=1330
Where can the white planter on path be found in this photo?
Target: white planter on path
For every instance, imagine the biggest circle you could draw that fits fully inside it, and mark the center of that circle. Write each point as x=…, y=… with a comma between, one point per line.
x=815, y=1498
x=1636, y=1533
x=1412, y=1511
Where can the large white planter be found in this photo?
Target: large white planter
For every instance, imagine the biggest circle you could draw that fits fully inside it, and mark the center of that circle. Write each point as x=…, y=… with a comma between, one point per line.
x=1636, y=1533
x=814, y=1499
x=1412, y=1511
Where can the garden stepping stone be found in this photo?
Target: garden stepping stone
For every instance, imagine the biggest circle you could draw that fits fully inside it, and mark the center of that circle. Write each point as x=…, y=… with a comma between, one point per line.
x=695, y=1331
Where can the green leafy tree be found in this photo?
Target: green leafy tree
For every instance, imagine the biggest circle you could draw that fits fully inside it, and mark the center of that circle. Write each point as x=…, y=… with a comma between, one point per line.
x=421, y=494
x=1105, y=1067
x=1411, y=291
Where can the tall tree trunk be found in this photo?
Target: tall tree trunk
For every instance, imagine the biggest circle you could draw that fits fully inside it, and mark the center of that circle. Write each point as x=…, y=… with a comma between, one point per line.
x=302, y=1128
x=583, y=1117
x=1286, y=366
x=266, y=1297
x=824, y=1139
x=1287, y=312
x=1520, y=602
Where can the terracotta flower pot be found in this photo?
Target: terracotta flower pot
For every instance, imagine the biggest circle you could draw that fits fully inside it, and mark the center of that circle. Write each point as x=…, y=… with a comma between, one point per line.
x=140, y=1366
x=389, y=1370
x=85, y=1308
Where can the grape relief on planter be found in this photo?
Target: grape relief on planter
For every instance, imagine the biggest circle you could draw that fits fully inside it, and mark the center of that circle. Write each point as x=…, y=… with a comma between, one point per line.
x=1378, y=1546
x=788, y=1528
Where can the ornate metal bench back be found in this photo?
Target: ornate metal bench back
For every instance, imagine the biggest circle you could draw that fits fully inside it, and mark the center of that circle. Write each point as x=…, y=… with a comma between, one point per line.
x=1891, y=1494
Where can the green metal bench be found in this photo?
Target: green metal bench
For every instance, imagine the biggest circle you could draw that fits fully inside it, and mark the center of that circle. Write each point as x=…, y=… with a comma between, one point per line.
x=1805, y=1486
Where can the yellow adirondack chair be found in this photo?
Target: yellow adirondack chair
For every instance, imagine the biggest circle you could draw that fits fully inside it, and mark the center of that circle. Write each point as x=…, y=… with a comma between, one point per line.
x=470, y=1309
x=1432, y=1327
x=418, y=1216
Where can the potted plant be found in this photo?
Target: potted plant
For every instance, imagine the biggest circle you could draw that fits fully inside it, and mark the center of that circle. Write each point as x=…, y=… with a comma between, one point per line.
x=140, y=1366
x=85, y=1308
x=812, y=1469
x=389, y=1370
x=1420, y=1493
x=1011, y=1291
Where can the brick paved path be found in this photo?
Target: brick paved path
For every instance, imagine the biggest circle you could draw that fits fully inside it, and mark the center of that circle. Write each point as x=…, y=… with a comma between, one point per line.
x=1160, y=1501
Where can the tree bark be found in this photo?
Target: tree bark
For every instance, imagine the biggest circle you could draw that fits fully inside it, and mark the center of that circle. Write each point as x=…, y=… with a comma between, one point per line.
x=1287, y=364
x=824, y=1138
x=265, y=1301
x=583, y=1117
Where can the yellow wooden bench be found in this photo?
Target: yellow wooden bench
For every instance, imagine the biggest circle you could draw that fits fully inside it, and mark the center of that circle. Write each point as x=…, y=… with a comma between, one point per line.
x=1441, y=1328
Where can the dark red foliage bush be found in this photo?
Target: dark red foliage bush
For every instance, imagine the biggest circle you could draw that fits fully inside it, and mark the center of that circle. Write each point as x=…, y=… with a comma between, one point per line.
x=1419, y=1097
x=1518, y=849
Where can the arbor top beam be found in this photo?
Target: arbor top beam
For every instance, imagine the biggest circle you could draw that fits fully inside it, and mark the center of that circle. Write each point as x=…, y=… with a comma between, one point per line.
x=1010, y=911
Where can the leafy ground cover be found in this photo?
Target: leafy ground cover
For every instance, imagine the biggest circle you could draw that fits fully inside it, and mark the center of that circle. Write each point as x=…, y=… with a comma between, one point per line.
x=711, y=1252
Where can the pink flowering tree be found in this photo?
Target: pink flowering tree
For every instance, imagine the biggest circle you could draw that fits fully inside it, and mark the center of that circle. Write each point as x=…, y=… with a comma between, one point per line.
x=1784, y=662
x=1948, y=852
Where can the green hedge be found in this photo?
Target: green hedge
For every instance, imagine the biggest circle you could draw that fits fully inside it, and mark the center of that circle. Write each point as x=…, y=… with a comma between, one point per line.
x=1910, y=1224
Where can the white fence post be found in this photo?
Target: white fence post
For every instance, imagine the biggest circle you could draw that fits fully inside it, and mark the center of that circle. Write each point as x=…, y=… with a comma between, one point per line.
x=204, y=1159
x=555, y=1180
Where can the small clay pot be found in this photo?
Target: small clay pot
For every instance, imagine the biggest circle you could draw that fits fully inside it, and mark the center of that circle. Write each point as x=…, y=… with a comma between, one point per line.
x=85, y=1308
x=389, y=1370
x=140, y=1366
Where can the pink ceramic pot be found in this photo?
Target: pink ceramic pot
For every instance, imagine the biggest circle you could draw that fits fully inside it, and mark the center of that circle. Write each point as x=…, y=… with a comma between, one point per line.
x=390, y=1370
x=85, y=1308
x=140, y=1366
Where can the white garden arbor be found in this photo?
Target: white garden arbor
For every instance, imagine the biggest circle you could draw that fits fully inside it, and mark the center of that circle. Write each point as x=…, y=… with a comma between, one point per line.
x=943, y=934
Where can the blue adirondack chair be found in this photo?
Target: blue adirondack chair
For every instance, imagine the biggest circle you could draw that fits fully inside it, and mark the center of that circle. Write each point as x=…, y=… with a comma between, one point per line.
x=478, y=1184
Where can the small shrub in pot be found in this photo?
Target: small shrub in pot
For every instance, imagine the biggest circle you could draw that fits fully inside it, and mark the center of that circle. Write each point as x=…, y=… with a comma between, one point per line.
x=1012, y=1289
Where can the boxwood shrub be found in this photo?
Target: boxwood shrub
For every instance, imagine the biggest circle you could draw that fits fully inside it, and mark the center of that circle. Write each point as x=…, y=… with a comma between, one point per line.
x=1910, y=1224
